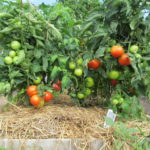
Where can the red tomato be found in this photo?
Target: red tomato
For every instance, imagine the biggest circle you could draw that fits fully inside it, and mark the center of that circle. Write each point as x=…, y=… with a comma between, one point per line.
x=124, y=60
x=59, y=82
x=56, y=87
x=94, y=64
x=117, y=51
x=35, y=100
x=114, y=82
x=47, y=96
x=32, y=90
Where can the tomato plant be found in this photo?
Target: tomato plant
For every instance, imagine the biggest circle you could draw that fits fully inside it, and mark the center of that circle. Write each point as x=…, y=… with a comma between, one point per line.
x=78, y=44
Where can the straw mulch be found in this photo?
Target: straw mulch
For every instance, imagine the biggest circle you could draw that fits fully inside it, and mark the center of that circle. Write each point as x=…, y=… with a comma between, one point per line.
x=60, y=121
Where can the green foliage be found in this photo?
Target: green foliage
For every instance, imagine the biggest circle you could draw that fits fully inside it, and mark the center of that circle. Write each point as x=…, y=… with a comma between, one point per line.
x=52, y=36
x=130, y=136
x=127, y=107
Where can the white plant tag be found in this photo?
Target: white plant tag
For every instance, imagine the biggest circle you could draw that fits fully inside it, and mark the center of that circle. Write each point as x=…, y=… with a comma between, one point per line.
x=110, y=115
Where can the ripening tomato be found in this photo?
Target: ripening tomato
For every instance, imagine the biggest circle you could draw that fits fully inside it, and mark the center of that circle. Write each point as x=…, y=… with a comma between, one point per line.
x=35, y=100
x=32, y=90
x=94, y=64
x=117, y=51
x=56, y=87
x=47, y=96
x=114, y=82
x=124, y=60
x=59, y=82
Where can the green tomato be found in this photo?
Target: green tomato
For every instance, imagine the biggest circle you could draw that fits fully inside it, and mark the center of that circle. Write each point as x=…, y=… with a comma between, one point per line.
x=79, y=61
x=138, y=55
x=72, y=65
x=15, y=45
x=115, y=101
x=78, y=72
x=89, y=82
x=121, y=100
x=134, y=49
x=38, y=80
x=87, y=92
x=114, y=74
x=8, y=60
x=16, y=60
x=80, y=95
x=12, y=54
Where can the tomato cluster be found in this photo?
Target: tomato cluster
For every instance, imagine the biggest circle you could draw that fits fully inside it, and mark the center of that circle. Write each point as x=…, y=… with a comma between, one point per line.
x=15, y=56
x=35, y=99
x=118, y=51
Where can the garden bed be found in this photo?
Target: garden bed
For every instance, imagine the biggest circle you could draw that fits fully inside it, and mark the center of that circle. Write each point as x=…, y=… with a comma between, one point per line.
x=59, y=121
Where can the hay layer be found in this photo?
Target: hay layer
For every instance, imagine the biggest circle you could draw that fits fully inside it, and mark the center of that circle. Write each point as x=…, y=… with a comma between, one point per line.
x=61, y=121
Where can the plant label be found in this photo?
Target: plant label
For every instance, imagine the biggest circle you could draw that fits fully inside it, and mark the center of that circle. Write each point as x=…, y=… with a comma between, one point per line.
x=110, y=118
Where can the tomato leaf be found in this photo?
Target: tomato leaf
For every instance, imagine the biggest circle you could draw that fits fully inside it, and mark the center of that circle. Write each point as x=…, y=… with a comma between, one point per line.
x=55, y=72
x=100, y=52
x=37, y=53
x=45, y=63
x=36, y=68
x=53, y=58
x=66, y=82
